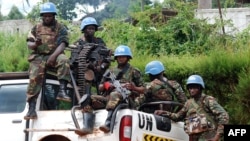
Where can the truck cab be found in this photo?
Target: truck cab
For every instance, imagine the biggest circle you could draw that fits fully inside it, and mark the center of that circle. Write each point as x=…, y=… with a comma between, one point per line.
x=57, y=120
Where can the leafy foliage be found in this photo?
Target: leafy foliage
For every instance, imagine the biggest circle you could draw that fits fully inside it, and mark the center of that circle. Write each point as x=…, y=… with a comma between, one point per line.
x=241, y=96
x=15, y=52
x=15, y=14
x=34, y=15
x=66, y=8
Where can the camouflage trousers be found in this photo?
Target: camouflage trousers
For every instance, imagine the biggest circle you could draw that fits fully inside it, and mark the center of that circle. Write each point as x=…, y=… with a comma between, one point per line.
x=97, y=102
x=37, y=72
x=116, y=98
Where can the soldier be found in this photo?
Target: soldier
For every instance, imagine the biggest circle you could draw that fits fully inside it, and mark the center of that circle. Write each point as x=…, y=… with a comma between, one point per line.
x=47, y=41
x=88, y=27
x=204, y=117
x=97, y=64
x=160, y=88
x=129, y=77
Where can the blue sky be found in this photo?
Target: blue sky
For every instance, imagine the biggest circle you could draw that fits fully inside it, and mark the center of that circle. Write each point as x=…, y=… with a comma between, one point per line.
x=24, y=8
x=21, y=4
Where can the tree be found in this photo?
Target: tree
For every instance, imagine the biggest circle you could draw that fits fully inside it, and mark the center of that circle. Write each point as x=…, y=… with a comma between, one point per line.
x=15, y=14
x=119, y=9
x=35, y=13
x=66, y=8
x=113, y=8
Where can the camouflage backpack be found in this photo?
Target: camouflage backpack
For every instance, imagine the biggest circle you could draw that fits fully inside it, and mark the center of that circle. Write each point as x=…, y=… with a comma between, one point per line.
x=162, y=91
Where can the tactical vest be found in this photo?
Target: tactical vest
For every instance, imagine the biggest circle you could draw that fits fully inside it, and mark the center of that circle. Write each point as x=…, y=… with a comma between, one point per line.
x=127, y=76
x=197, y=118
x=48, y=35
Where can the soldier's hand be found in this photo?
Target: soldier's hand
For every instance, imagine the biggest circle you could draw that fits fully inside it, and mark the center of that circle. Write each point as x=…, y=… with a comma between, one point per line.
x=51, y=61
x=129, y=86
x=159, y=112
x=157, y=81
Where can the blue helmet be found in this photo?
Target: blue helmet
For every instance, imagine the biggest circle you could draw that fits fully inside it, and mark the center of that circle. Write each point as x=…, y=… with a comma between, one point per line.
x=154, y=67
x=48, y=7
x=195, y=79
x=88, y=21
x=123, y=50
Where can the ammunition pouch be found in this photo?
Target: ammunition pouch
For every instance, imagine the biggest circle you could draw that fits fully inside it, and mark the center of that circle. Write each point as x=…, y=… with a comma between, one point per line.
x=197, y=123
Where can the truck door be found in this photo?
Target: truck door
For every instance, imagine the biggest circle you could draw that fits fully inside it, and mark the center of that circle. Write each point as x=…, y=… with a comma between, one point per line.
x=13, y=107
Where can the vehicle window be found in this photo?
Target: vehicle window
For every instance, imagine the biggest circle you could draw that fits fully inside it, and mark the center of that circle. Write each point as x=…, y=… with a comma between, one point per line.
x=12, y=98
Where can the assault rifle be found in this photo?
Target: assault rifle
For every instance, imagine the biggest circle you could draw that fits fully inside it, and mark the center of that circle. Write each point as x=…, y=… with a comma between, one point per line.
x=123, y=91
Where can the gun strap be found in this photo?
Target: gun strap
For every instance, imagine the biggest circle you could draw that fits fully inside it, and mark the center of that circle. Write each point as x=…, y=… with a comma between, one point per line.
x=170, y=86
x=201, y=109
x=120, y=74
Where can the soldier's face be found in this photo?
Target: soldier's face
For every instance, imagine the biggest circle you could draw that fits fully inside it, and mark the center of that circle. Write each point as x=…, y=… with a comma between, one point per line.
x=48, y=18
x=89, y=31
x=122, y=60
x=194, y=90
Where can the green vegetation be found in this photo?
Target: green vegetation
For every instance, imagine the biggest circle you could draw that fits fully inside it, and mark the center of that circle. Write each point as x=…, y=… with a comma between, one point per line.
x=184, y=44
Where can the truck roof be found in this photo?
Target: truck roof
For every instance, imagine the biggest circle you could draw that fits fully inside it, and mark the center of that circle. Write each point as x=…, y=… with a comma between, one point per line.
x=13, y=75
x=22, y=75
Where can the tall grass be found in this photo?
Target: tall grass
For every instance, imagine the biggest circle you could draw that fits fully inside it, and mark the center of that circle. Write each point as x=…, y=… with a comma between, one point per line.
x=13, y=52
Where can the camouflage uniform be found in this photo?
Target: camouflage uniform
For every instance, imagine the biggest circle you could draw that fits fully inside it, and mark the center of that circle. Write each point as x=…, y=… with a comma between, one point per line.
x=161, y=91
x=51, y=38
x=218, y=116
x=131, y=75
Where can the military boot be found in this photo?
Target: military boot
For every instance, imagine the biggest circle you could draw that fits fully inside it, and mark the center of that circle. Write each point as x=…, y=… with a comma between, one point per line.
x=32, y=110
x=88, y=122
x=106, y=127
x=62, y=95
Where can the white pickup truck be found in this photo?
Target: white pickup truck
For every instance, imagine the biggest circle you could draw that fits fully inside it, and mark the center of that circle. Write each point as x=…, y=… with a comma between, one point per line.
x=57, y=121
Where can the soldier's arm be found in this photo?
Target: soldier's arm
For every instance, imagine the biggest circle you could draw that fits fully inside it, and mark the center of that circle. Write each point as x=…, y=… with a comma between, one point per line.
x=61, y=42
x=179, y=92
x=63, y=39
x=137, y=82
x=219, y=112
x=133, y=87
x=32, y=41
x=180, y=115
